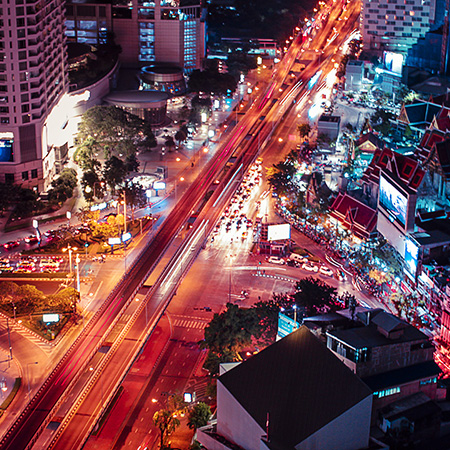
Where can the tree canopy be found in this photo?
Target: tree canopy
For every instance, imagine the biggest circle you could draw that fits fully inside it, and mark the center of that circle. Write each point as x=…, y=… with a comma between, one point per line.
x=211, y=81
x=199, y=415
x=314, y=295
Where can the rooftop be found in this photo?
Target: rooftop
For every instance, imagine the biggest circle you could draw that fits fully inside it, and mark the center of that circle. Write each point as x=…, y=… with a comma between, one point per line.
x=291, y=381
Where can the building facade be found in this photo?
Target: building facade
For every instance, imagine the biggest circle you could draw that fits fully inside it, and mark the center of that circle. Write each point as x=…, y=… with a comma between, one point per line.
x=162, y=31
x=33, y=79
x=395, y=25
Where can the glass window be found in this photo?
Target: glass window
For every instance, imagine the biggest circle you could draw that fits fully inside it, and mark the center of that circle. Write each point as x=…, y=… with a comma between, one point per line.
x=34, y=173
x=70, y=24
x=25, y=175
x=87, y=25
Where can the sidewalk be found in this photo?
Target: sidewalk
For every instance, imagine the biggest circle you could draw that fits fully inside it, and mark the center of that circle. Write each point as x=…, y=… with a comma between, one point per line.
x=9, y=371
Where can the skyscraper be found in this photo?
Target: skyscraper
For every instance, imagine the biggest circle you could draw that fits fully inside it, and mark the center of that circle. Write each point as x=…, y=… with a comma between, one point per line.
x=33, y=79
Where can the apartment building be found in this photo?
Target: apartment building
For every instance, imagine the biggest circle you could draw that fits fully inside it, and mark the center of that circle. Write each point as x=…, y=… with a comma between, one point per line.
x=33, y=79
x=395, y=25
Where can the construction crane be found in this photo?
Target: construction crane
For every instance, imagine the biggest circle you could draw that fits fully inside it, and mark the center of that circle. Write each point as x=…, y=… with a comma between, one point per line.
x=444, y=40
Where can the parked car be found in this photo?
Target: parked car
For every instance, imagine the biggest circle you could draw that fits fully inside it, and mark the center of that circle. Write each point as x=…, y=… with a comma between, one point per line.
x=324, y=270
x=275, y=260
x=310, y=267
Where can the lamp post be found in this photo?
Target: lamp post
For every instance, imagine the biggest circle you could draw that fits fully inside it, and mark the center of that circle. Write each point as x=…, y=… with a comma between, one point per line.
x=77, y=260
x=28, y=376
x=70, y=249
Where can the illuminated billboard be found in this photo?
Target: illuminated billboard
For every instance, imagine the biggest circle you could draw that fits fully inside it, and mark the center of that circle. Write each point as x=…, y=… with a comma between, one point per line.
x=392, y=200
x=6, y=150
x=393, y=62
x=49, y=318
x=278, y=232
x=411, y=256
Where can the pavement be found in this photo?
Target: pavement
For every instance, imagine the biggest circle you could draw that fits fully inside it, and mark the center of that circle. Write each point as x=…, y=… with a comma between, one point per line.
x=9, y=371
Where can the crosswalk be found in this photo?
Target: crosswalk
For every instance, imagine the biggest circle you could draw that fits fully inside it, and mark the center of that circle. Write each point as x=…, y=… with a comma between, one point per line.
x=34, y=338
x=189, y=322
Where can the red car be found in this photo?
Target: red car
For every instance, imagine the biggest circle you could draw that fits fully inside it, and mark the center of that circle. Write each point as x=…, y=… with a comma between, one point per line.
x=11, y=244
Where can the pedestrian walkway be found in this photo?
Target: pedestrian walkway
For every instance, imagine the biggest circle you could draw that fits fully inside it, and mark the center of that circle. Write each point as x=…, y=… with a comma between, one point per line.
x=190, y=322
x=9, y=372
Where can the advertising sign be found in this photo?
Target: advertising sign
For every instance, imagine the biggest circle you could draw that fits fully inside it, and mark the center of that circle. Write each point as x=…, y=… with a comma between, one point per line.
x=393, y=200
x=48, y=318
x=159, y=185
x=393, y=62
x=278, y=232
x=6, y=150
x=286, y=325
x=411, y=256
x=126, y=236
x=114, y=241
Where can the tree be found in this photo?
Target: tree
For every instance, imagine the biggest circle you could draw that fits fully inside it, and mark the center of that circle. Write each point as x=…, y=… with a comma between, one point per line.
x=280, y=177
x=180, y=136
x=114, y=129
x=92, y=186
x=114, y=172
x=86, y=154
x=170, y=143
x=132, y=163
x=304, y=129
x=166, y=419
x=62, y=188
x=314, y=295
x=199, y=415
x=267, y=312
x=26, y=202
x=231, y=330
x=212, y=82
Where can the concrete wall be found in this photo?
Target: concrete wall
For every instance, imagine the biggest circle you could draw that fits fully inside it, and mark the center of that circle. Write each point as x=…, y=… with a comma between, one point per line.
x=235, y=423
x=349, y=431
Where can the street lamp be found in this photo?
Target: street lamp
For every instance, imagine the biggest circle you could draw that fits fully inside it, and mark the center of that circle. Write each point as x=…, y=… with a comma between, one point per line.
x=70, y=249
x=77, y=260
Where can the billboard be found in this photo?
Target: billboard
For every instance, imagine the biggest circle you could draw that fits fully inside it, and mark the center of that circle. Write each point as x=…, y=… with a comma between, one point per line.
x=411, y=256
x=6, y=150
x=286, y=325
x=279, y=232
x=392, y=200
x=48, y=318
x=393, y=62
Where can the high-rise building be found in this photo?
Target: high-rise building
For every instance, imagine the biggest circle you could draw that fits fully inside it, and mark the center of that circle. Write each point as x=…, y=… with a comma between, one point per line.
x=161, y=31
x=395, y=25
x=33, y=79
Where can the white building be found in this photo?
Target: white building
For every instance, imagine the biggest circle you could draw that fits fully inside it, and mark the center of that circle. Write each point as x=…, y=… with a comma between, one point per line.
x=294, y=394
x=33, y=79
x=395, y=25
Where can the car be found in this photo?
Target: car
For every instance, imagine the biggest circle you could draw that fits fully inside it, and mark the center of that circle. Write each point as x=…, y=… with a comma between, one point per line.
x=11, y=244
x=292, y=263
x=31, y=239
x=310, y=267
x=324, y=270
x=275, y=260
x=340, y=275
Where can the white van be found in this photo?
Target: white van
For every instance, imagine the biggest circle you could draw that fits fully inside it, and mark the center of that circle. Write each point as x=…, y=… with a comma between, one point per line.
x=297, y=258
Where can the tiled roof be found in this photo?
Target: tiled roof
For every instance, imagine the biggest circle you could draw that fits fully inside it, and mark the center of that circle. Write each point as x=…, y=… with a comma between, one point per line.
x=405, y=168
x=371, y=138
x=353, y=214
x=290, y=380
x=443, y=155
